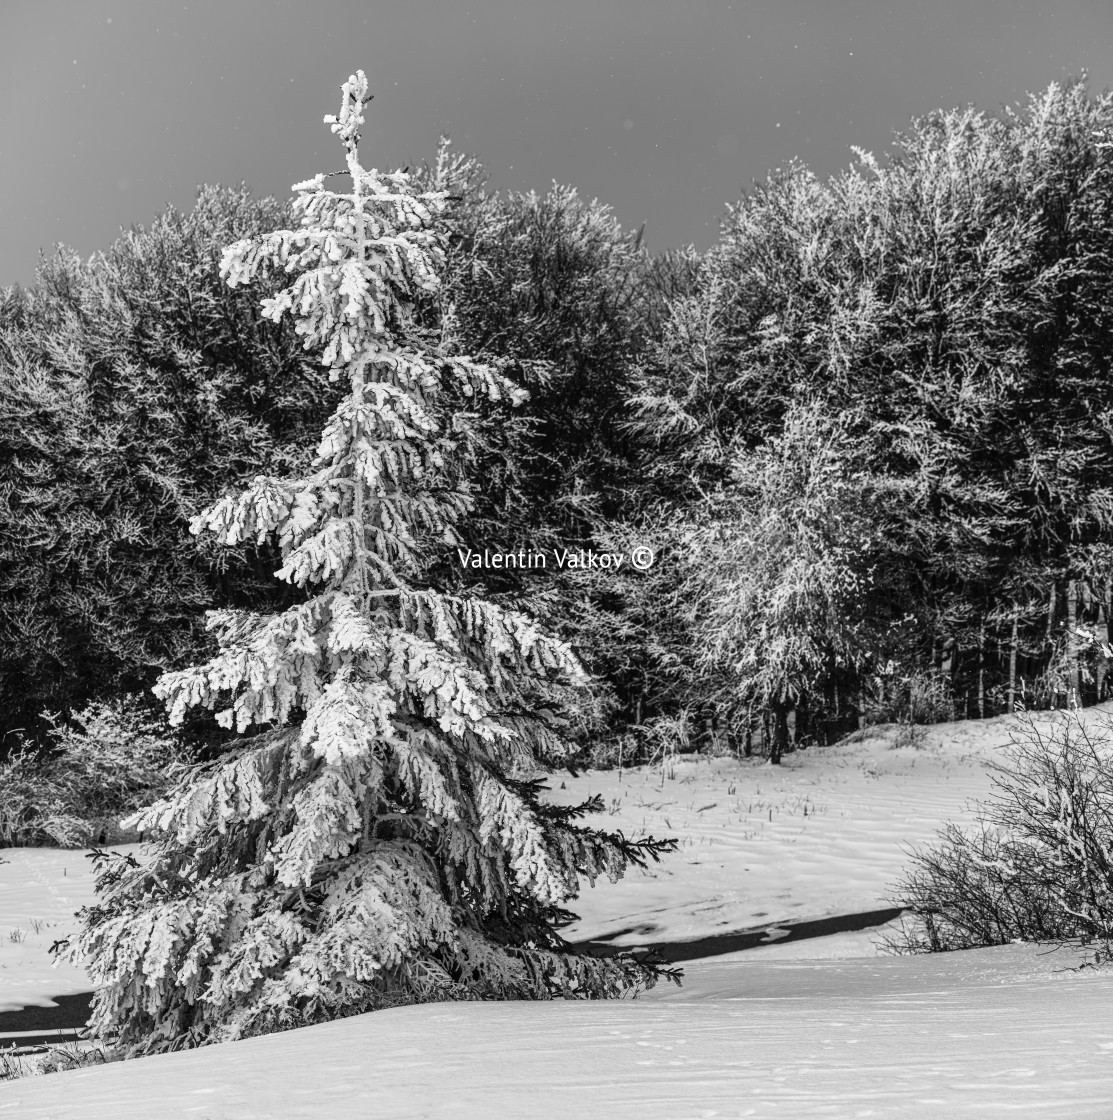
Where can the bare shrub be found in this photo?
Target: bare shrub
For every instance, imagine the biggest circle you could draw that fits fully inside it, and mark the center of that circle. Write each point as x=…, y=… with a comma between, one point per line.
x=910, y=701
x=17, y=1062
x=1039, y=866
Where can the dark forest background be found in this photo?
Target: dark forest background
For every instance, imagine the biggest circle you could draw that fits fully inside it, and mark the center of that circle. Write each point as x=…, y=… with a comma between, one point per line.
x=868, y=435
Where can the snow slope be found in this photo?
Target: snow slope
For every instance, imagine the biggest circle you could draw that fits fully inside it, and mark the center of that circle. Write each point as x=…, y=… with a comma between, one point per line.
x=977, y=1034
x=825, y=833
x=823, y=1028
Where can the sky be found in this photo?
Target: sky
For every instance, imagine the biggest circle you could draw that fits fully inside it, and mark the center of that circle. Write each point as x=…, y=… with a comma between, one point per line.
x=665, y=111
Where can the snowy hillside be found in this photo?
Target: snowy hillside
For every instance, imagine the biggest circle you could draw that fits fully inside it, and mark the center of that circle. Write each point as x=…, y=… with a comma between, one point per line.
x=804, y=1029
x=969, y=1035
x=825, y=833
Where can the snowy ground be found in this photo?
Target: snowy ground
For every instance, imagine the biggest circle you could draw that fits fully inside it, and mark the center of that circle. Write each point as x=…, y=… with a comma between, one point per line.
x=821, y=1028
x=825, y=833
x=40, y=890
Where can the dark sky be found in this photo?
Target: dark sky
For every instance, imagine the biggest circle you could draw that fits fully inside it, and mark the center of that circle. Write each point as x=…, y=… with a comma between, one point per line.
x=664, y=109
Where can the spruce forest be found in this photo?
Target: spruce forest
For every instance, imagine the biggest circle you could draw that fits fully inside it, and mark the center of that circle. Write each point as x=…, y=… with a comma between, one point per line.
x=866, y=437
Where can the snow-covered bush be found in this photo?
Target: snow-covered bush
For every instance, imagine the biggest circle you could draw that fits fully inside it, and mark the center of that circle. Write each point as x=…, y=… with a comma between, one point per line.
x=111, y=759
x=1039, y=866
x=379, y=836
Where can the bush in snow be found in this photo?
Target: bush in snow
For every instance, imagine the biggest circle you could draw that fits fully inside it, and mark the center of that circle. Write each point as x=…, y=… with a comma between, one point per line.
x=1039, y=867
x=109, y=760
x=379, y=836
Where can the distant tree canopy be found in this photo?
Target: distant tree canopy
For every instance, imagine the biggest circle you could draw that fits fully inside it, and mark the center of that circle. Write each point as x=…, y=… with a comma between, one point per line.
x=952, y=309
x=935, y=327
x=134, y=388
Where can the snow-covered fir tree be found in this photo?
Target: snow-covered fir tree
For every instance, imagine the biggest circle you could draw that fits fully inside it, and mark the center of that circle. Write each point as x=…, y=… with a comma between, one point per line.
x=376, y=834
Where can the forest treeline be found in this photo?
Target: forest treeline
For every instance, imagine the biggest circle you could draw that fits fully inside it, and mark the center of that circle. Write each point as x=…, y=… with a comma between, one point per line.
x=868, y=435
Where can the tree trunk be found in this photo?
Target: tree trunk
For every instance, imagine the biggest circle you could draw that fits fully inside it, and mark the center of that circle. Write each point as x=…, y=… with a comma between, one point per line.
x=946, y=665
x=716, y=735
x=1012, y=664
x=835, y=727
x=779, y=742
x=1049, y=641
x=1073, y=700
x=981, y=671
x=1103, y=638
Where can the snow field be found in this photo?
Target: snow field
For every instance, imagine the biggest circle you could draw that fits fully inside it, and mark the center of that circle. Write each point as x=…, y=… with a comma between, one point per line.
x=807, y=1029
x=40, y=891
x=977, y=1034
x=825, y=833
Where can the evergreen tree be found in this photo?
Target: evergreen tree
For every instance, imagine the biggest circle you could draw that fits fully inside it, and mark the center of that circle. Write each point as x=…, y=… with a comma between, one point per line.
x=135, y=387
x=380, y=836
